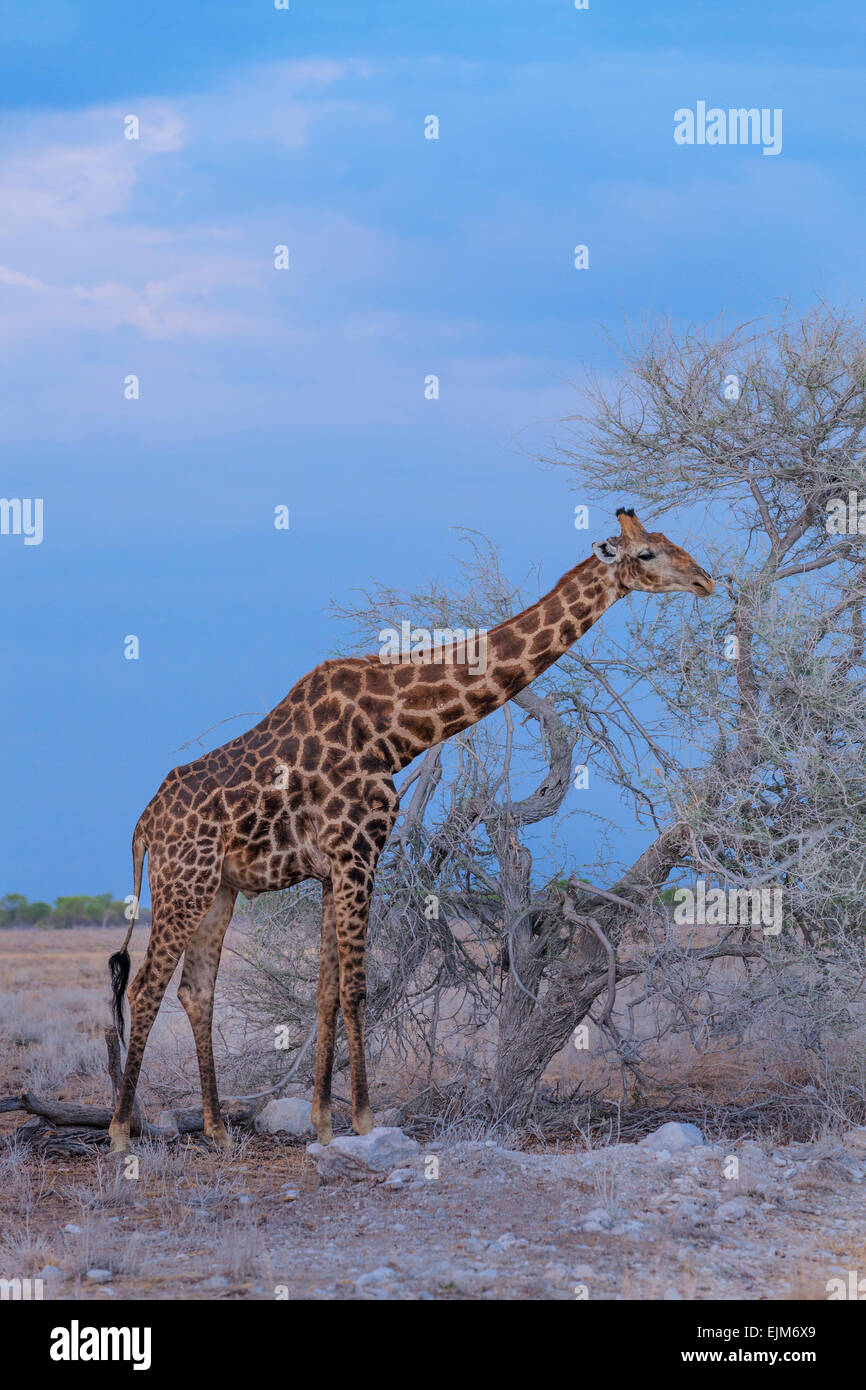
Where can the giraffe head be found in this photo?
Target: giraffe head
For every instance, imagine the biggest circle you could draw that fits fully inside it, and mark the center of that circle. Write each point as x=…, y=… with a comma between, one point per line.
x=650, y=562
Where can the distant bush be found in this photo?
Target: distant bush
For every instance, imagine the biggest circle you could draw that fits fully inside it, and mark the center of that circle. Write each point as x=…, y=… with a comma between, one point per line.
x=79, y=910
x=15, y=910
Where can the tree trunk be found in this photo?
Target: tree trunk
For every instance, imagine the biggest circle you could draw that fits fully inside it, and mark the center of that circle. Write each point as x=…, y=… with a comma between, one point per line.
x=536, y=1021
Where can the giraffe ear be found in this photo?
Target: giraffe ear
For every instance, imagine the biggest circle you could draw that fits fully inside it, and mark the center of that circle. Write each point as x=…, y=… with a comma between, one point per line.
x=606, y=551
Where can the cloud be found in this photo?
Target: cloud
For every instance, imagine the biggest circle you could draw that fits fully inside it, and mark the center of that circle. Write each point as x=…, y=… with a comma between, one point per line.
x=111, y=249
x=64, y=186
x=71, y=170
x=81, y=250
x=184, y=305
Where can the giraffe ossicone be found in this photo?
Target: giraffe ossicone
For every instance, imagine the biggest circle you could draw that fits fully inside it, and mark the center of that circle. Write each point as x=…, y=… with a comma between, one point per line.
x=309, y=793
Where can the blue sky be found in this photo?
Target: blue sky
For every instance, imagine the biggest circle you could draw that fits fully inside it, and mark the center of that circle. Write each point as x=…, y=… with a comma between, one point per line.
x=305, y=387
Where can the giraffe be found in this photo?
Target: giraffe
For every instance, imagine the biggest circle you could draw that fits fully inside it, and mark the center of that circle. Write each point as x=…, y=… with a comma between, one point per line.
x=308, y=793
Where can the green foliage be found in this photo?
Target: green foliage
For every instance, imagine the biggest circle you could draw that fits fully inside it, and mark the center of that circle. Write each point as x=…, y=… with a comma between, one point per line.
x=15, y=910
x=78, y=910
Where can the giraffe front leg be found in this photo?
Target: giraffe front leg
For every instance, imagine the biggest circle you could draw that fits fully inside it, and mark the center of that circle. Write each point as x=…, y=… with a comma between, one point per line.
x=327, y=1004
x=353, y=995
x=353, y=868
x=352, y=909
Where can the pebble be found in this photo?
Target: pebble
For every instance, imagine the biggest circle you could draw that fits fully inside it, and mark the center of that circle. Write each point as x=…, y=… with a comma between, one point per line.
x=375, y=1276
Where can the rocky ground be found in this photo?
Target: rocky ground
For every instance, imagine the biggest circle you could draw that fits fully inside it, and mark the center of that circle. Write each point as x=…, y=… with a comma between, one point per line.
x=670, y=1218
x=665, y=1219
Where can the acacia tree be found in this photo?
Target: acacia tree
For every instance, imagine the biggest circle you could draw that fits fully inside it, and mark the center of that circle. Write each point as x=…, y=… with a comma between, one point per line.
x=734, y=730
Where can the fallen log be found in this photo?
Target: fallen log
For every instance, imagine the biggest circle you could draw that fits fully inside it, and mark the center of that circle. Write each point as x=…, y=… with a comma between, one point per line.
x=66, y=1112
x=82, y=1126
x=39, y=1135
x=62, y=1113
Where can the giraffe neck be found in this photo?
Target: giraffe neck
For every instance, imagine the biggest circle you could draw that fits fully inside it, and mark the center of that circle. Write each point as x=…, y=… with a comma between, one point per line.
x=435, y=700
x=534, y=639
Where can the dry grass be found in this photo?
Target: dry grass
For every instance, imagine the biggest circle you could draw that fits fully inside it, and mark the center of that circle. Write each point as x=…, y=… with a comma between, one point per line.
x=192, y=1223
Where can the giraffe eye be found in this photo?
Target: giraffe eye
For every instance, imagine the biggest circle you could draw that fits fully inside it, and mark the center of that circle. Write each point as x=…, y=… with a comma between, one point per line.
x=647, y=555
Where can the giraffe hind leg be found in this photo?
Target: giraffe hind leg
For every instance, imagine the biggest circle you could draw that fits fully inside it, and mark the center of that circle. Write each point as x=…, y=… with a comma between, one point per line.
x=177, y=912
x=196, y=993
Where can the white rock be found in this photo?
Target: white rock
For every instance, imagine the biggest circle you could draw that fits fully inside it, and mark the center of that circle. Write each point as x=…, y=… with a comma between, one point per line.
x=292, y=1115
x=733, y=1210
x=399, y=1178
x=750, y=1148
x=673, y=1137
x=598, y=1216
x=363, y=1155
x=99, y=1276
x=72, y=1230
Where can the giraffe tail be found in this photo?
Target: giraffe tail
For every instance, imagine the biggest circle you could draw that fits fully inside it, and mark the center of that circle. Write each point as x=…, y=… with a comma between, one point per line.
x=119, y=963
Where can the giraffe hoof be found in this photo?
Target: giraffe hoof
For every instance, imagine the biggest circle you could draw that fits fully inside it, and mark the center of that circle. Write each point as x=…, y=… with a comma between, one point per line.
x=120, y=1142
x=322, y=1123
x=220, y=1139
x=363, y=1122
